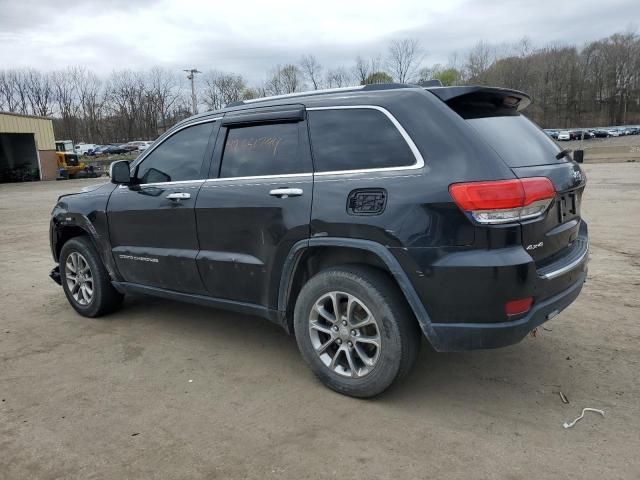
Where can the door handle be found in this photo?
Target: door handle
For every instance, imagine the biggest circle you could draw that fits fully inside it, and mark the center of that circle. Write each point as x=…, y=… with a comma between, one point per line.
x=178, y=196
x=286, y=192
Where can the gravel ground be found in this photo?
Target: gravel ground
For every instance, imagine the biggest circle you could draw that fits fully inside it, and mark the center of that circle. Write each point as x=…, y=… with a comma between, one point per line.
x=166, y=390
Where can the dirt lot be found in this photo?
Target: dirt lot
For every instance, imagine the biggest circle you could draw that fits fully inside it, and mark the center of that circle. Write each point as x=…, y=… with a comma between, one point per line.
x=166, y=390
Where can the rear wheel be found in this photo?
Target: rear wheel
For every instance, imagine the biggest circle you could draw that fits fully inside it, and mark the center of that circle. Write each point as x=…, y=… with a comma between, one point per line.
x=355, y=331
x=85, y=281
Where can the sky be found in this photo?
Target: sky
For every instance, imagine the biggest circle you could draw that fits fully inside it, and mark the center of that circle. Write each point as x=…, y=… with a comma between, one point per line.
x=250, y=37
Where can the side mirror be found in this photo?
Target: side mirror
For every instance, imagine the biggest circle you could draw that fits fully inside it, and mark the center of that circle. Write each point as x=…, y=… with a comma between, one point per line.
x=119, y=172
x=578, y=156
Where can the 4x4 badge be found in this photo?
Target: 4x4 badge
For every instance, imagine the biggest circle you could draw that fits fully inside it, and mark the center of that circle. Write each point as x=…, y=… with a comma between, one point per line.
x=577, y=175
x=533, y=246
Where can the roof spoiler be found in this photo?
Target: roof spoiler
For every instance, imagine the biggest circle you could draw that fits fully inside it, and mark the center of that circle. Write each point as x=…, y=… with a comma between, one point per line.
x=502, y=98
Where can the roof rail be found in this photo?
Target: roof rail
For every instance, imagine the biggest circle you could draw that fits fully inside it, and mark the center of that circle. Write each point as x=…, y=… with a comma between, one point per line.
x=310, y=93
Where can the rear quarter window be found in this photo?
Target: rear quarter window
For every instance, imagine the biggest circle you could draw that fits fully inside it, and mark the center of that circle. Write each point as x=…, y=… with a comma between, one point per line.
x=355, y=139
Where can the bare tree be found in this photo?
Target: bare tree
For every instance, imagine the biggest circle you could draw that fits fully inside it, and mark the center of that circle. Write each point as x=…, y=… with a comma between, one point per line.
x=361, y=69
x=364, y=68
x=164, y=91
x=312, y=70
x=596, y=85
x=404, y=59
x=222, y=88
x=337, y=77
x=283, y=80
x=8, y=99
x=478, y=61
x=65, y=98
x=16, y=85
x=39, y=92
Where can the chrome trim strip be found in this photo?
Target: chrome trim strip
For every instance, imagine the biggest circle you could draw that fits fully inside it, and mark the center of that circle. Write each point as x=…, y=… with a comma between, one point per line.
x=163, y=139
x=160, y=184
x=412, y=146
x=261, y=177
x=305, y=94
x=568, y=267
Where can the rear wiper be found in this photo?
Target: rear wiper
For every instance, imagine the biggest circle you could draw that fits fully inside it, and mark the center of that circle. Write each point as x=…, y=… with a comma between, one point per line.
x=563, y=153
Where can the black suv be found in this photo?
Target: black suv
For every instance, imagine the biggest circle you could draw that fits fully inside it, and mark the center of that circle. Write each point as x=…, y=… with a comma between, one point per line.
x=354, y=218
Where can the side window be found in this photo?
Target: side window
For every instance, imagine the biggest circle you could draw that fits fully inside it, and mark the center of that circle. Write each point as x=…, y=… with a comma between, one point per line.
x=353, y=139
x=269, y=149
x=178, y=158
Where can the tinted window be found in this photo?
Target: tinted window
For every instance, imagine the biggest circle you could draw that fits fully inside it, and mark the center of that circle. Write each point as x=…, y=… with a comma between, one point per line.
x=356, y=139
x=517, y=140
x=262, y=150
x=178, y=158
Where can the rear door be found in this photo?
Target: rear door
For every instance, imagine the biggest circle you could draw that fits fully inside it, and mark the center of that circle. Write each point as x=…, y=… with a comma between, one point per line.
x=152, y=223
x=256, y=204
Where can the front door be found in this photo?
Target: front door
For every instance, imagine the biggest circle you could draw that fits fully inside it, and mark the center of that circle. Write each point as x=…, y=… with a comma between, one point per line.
x=256, y=205
x=152, y=223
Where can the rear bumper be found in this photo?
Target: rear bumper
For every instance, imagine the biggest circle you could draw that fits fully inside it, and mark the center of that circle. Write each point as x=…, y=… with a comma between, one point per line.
x=464, y=292
x=471, y=336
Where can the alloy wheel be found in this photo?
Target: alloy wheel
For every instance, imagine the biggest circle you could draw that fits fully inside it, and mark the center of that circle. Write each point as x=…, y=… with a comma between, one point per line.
x=79, y=278
x=344, y=334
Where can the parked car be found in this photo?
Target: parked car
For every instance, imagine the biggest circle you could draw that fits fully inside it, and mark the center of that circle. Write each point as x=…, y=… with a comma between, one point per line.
x=580, y=135
x=84, y=148
x=97, y=150
x=395, y=230
x=114, y=149
x=552, y=133
x=613, y=132
x=137, y=145
x=564, y=135
x=144, y=146
x=599, y=133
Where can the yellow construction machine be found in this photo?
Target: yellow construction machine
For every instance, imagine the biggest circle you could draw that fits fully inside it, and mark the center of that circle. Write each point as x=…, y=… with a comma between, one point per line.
x=69, y=165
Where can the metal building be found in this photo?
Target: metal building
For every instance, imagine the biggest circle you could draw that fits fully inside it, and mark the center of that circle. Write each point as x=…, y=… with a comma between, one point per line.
x=27, y=148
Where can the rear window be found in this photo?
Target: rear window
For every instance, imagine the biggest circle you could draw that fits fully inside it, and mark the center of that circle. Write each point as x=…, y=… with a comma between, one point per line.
x=270, y=149
x=517, y=140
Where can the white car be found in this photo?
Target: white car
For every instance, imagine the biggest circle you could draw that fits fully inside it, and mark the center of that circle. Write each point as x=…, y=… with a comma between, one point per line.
x=144, y=146
x=84, y=148
x=564, y=135
x=613, y=132
x=139, y=145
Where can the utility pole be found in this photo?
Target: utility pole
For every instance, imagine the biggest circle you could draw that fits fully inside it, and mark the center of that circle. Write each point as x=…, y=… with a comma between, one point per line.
x=192, y=74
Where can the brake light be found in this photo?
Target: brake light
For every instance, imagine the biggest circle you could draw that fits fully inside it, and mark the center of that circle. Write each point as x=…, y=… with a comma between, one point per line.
x=518, y=307
x=504, y=201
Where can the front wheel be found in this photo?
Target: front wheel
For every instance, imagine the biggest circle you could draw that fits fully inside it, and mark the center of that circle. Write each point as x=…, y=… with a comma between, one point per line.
x=85, y=281
x=355, y=330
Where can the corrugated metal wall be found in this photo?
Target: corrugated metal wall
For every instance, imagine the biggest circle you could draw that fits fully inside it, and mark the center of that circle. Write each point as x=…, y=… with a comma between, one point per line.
x=41, y=127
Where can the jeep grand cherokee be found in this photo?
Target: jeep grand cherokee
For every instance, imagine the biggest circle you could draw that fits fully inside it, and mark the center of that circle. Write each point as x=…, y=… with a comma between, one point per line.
x=356, y=219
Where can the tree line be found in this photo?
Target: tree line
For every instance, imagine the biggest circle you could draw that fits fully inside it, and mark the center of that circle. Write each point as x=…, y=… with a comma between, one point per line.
x=595, y=85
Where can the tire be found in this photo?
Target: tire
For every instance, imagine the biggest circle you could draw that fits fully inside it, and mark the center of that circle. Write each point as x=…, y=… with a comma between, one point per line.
x=372, y=294
x=103, y=299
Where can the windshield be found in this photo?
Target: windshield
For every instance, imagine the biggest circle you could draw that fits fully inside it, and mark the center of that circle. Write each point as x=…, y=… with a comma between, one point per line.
x=517, y=140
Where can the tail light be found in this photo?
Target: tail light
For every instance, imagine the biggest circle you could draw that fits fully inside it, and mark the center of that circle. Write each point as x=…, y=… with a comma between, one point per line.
x=504, y=201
